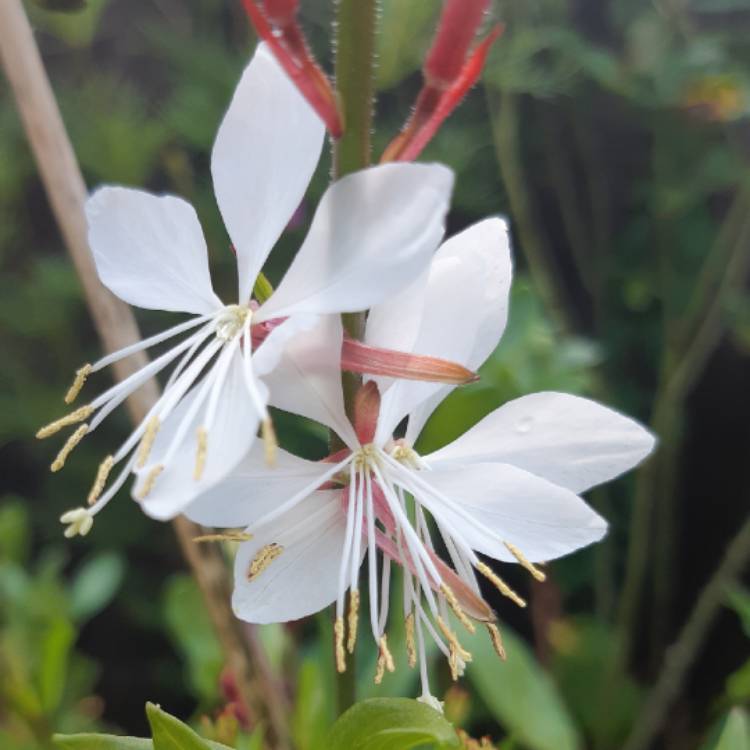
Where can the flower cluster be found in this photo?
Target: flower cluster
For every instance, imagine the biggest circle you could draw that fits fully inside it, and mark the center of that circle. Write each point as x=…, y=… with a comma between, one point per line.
x=508, y=489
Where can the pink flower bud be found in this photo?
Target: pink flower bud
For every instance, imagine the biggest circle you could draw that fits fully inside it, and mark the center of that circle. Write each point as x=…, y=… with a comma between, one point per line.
x=458, y=26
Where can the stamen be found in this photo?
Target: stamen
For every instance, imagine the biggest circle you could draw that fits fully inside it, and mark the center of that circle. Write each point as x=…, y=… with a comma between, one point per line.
x=78, y=520
x=67, y=449
x=338, y=630
x=538, y=574
x=385, y=660
x=502, y=587
x=83, y=412
x=457, y=651
x=265, y=556
x=200, y=456
x=144, y=449
x=229, y=536
x=78, y=383
x=497, y=639
x=353, y=619
x=269, y=441
x=101, y=479
x=411, y=646
x=450, y=597
x=150, y=481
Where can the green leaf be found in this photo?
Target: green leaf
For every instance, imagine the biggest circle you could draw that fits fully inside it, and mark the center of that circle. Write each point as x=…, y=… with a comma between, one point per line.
x=391, y=724
x=95, y=585
x=520, y=694
x=738, y=599
x=169, y=733
x=100, y=742
x=733, y=732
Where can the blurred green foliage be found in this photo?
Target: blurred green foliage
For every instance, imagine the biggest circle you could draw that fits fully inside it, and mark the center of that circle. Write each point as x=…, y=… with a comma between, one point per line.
x=615, y=136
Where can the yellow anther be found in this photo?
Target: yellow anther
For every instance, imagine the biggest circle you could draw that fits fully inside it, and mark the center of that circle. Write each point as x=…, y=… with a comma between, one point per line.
x=78, y=383
x=497, y=639
x=450, y=597
x=338, y=631
x=353, y=619
x=538, y=574
x=67, y=449
x=457, y=651
x=101, y=479
x=263, y=558
x=200, y=456
x=502, y=587
x=150, y=481
x=149, y=435
x=385, y=660
x=83, y=412
x=229, y=536
x=270, y=444
x=411, y=645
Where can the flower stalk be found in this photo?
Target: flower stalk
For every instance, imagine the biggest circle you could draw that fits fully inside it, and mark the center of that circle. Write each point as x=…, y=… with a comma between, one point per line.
x=117, y=328
x=356, y=22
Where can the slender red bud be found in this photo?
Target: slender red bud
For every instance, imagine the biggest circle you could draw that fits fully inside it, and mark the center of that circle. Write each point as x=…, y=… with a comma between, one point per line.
x=281, y=12
x=372, y=360
x=448, y=76
x=459, y=23
x=411, y=147
x=276, y=25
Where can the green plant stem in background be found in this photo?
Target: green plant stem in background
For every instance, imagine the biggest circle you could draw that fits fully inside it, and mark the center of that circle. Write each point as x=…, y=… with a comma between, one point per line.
x=682, y=654
x=504, y=107
x=356, y=22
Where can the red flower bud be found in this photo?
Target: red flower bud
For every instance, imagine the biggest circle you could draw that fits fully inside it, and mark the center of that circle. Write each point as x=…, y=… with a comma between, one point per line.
x=458, y=26
x=281, y=12
x=275, y=24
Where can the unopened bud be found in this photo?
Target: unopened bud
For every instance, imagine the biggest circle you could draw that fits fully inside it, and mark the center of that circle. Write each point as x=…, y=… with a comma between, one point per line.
x=458, y=26
x=280, y=12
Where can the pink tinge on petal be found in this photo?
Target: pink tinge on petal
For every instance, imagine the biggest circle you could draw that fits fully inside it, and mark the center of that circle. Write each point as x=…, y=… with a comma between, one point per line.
x=366, y=412
x=278, y=28
x=374, y=360
x=435, y=104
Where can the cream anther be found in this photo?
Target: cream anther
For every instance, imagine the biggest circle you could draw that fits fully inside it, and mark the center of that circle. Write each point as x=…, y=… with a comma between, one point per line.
x=231, y=321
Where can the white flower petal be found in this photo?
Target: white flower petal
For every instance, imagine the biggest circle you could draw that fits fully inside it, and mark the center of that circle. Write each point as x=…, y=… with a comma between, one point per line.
x=265, y=153
x=149, y=250
x=543, y=520
x=463, y=312
x=254, y=489
x=373, y=233
x=307, y=378
x=304, y=577
x=572, y=441
x=228, y=441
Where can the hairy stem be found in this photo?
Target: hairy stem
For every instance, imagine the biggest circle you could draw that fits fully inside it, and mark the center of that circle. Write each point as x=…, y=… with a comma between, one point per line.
x=356, y=22
x=117, y=328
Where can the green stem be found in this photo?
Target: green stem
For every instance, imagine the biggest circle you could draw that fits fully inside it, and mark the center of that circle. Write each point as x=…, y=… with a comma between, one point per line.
x=356, y=22
x=681, y=655
x=504, y=107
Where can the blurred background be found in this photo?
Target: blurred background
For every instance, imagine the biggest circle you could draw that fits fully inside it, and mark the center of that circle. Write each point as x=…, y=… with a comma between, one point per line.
x=615, y=135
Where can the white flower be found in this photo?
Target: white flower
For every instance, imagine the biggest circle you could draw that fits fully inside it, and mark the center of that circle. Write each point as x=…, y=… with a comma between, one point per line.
x=508, y=488
x=373, y=232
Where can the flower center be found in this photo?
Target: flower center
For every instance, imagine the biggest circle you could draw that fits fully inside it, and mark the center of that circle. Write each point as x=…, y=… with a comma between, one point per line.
x=365, y=457
x=230, y=321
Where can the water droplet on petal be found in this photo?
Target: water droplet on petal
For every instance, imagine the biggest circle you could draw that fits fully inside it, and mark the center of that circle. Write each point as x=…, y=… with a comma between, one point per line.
x=523, y=425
